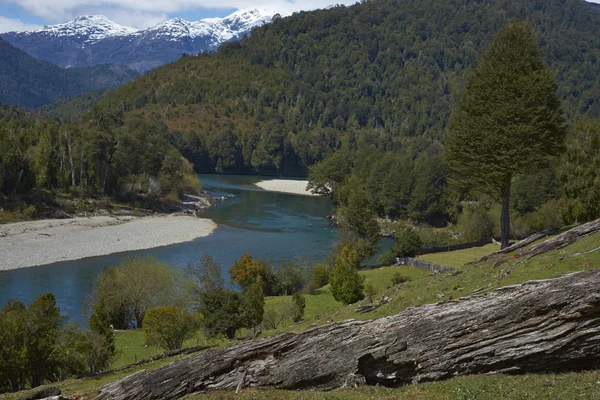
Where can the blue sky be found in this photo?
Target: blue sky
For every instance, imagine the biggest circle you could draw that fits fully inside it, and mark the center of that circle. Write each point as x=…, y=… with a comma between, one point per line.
x=32, y=14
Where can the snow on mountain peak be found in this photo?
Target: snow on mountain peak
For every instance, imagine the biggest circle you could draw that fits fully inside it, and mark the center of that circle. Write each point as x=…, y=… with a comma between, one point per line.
x=89, y=28
x=220, y=29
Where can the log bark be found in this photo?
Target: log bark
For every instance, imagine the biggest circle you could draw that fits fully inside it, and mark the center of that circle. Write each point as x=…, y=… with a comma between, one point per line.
x=538, y=326
x=562, y=240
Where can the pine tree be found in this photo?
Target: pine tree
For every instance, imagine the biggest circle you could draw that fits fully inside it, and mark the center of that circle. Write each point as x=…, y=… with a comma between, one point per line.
x=508, y=120
x=346, y=283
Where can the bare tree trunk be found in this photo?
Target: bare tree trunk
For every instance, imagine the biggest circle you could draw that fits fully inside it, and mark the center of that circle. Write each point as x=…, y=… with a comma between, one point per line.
x=71, y=160
x=132, y=185
x=505, y=216
x=21, y=172
x=536, y=327
x=104, y=180
x=81, y=170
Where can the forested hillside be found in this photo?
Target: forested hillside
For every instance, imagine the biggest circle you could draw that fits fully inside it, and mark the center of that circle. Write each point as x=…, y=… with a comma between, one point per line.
x=28, y=82
x=381, y=72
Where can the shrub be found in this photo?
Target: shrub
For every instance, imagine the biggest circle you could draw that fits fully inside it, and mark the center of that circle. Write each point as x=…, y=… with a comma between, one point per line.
x=398, y=278
x=477, y=222
x=319, y=275
x=247, y=271
x=125, y=297
x=408, y=243
x=346, y=283
x=370, y=290
x=299, y=306
x=169, y=327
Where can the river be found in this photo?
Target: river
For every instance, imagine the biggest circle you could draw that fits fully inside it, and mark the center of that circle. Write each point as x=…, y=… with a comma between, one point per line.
x=267, y=225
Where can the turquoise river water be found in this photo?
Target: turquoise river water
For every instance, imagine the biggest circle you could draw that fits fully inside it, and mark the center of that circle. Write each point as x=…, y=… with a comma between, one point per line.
x=267, y=225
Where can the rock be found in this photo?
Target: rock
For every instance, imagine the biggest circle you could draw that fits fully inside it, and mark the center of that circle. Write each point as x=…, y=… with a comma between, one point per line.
x=48, y=392
x=536, y=327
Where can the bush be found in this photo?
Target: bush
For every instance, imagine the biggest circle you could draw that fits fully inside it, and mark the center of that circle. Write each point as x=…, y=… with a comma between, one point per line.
x=319, y=275
x=169, y=327
x=398, y=278
x=346, y=283
x=408, y=243
x=299, y=306
x=247, y=271
x=477, y=222
x=370, y=290
x=125, y=297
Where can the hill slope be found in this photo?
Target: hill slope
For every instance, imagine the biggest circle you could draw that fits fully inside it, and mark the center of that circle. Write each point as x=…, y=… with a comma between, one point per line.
x=380, y=73
x=32, y=83
x=92, y=40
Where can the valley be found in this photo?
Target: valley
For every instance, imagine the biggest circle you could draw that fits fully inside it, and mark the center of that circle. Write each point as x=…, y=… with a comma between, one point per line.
x=388, y=199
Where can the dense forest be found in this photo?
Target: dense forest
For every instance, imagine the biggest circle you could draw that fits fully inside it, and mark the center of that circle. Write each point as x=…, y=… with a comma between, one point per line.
x=110, y=158
x=382, y=72
x=28, y=82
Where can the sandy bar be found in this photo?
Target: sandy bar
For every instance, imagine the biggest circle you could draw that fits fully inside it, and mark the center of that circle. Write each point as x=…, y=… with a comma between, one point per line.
x=28, y=244
x=285, y=186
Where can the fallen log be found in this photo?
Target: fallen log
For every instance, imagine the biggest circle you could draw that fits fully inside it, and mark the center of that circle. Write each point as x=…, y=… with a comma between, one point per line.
x=372, y=307
x=533, y=238
x=539, y=326
x=557, y=242
x=562, y=240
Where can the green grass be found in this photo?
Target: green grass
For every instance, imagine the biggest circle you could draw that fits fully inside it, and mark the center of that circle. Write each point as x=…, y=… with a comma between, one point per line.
x=85, y=386
x=131, y=344
x=423, y=288
x=457, y=259
x=483, y=387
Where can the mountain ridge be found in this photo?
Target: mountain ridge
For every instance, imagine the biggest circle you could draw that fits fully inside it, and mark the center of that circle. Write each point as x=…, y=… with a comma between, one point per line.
x=29, y=82
x=94, y=39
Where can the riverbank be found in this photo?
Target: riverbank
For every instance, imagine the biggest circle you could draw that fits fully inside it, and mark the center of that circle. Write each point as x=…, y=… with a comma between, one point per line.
x=33, y=243
x=285, y=186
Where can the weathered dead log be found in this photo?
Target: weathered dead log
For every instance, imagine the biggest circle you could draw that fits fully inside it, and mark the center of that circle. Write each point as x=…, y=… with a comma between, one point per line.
x=538, y=326
x=533, y=238
x=372, y=307
x=562, y=240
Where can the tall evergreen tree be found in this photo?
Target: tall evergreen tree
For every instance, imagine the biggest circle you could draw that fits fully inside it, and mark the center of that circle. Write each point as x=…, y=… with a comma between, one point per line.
x=508, y=120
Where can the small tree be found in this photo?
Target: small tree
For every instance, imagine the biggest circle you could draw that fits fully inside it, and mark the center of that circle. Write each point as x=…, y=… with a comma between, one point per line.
x=127, y=291
x=247, y=271
x=13, y=318
x=290, y=278
x=169, y=327
x=224, y=310
x=319, y=276
x=299, y=305
x=346, y=283
x=408, y=243
x=361, y=217
x=253, y=306
x=95, y=351
x=508, y=121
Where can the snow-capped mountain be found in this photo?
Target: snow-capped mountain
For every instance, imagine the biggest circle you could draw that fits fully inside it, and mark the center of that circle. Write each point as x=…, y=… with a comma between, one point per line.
x=94, y=39
x=222, y=29
x=88, y=29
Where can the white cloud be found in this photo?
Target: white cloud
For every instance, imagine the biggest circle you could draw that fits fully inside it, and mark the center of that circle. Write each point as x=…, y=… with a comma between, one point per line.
x=15, y=24
x=144, y=13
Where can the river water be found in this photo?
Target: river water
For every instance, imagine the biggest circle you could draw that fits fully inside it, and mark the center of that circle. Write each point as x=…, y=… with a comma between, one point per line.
x=267, y=225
